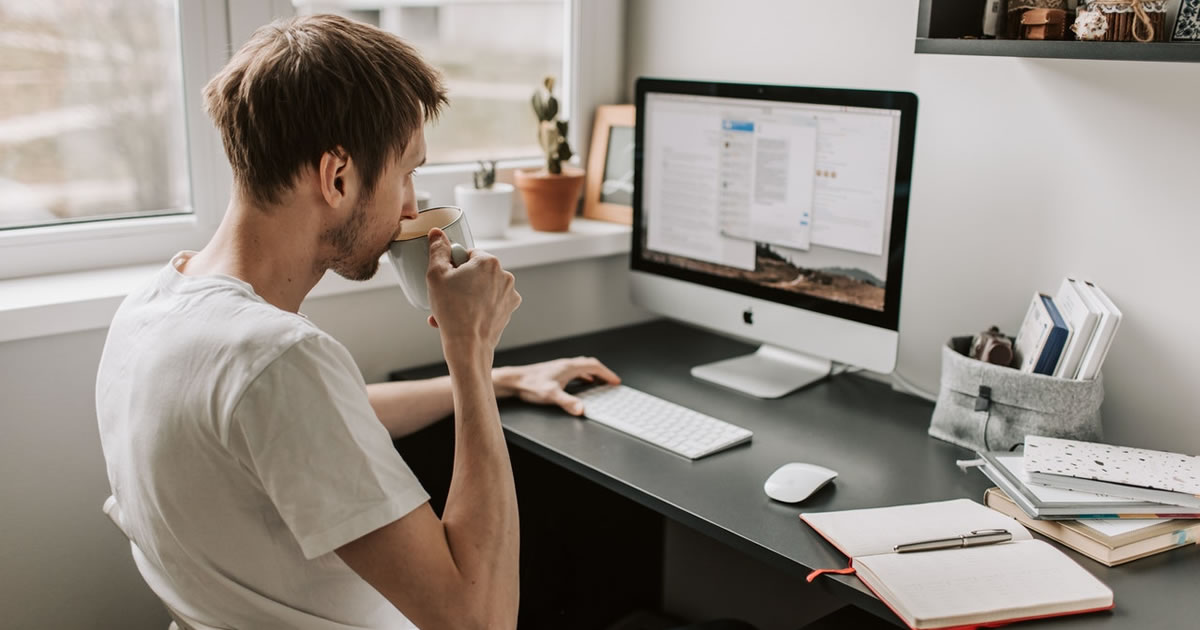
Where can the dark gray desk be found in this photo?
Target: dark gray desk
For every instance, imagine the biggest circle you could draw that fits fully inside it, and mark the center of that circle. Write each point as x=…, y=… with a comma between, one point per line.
x=874, y=437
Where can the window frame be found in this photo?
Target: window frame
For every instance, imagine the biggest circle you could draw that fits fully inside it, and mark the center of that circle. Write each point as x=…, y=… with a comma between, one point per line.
x=204, y=29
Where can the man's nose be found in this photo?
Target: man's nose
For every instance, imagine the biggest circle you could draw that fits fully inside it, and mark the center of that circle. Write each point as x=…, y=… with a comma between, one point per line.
x=409, y=209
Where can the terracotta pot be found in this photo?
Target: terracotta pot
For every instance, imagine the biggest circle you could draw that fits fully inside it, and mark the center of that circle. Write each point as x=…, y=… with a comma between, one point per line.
x=550, y=200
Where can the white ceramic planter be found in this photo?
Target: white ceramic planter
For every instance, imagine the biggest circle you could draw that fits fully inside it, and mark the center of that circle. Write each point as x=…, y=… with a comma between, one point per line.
x=488, y=210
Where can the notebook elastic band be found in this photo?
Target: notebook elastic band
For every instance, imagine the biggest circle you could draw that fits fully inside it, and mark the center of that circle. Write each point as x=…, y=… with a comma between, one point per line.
x=819, y=572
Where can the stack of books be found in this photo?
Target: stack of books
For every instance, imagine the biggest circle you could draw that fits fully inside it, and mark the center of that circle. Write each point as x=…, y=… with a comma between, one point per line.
x=1051, y=488
x=1067, y=335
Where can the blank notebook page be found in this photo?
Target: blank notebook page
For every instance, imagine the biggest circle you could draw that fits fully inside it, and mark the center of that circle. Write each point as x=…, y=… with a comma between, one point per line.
x=982, y=584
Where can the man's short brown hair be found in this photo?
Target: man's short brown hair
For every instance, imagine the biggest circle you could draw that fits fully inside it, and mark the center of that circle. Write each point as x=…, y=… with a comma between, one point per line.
x=304, y=86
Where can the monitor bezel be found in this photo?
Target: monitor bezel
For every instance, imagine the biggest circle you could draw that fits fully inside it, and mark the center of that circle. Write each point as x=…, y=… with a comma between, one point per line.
x=904, y=102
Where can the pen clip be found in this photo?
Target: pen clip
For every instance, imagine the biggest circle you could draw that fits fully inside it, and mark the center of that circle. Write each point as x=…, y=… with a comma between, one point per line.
x=985, y=532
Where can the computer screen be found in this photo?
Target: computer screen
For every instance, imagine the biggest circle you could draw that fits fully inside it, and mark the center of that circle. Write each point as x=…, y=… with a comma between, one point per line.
x=795, y=196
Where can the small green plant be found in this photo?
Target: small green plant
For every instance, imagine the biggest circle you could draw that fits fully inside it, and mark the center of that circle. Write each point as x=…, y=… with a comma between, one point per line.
x=485, y=175
x=552, y=132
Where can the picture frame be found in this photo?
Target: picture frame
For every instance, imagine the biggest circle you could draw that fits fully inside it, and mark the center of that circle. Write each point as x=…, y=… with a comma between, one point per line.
x=1187, y=22
x=608, y=195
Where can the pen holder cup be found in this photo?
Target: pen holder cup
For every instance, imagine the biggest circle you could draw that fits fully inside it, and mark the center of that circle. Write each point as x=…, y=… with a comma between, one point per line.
x=989, y=407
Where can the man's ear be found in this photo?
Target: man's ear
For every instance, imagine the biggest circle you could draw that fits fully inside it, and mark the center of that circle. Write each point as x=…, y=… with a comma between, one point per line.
x=336, y=176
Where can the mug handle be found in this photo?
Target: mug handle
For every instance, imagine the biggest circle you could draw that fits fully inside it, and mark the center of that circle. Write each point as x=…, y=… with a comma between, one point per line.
x=458, y=254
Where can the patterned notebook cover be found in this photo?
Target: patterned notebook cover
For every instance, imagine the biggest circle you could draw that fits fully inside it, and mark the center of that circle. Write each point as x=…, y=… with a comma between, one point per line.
x=1116, y=464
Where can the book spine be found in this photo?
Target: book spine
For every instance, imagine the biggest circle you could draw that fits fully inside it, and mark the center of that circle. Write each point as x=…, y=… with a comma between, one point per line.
x=1081, y=314
x=1055, y=340
x=1031, y=338
x=1101, y=341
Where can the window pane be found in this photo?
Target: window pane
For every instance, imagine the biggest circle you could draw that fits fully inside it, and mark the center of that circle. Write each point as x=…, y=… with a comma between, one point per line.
x=494, y=54
x=91, y=111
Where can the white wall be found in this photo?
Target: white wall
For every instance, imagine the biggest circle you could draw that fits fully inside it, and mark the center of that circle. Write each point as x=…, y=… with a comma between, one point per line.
x=1021, y=150
x=1025, y=170
x=64, y=565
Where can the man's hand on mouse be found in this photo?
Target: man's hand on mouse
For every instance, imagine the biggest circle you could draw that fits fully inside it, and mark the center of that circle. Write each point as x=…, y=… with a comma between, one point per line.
x=543, y=383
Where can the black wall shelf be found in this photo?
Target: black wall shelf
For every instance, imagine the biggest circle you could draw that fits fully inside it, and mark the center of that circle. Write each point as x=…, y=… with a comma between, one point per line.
x=1123, y=51
x=953, y=27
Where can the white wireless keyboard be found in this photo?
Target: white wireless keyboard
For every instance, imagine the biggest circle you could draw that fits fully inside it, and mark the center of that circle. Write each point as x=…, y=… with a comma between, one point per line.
x=660, y=422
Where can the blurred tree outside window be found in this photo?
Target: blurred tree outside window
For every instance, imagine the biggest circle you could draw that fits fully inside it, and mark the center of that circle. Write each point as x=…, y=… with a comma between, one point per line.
x=493, y=55
x=91, y=111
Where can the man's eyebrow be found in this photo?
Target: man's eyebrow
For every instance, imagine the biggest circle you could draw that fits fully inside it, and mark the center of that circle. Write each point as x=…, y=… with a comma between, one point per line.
x=422, y=161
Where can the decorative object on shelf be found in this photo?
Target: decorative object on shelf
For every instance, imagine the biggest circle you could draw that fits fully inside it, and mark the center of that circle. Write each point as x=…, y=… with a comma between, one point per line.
x=1017, y=8
x=1043, y=24
x=993, y=18
x=993, y=346
x=1133, y=20
x=1090, y=25
x=609, y=192
x=1187, y=25
x=550, y=194
x=953, y=27
x=487, y=204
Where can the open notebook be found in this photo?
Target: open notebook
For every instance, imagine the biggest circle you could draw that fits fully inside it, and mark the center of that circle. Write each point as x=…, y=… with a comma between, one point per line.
x=961, y=587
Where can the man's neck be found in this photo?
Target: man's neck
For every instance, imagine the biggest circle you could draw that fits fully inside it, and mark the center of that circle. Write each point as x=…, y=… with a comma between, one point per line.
x=274, y=250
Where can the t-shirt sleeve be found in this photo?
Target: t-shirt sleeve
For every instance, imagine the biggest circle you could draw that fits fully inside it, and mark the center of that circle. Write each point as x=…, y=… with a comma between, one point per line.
x=304, y=427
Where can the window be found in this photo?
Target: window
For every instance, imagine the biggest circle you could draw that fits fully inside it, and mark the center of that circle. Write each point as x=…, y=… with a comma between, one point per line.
x=91, y=117
x=105, y=155
x=493, y=53
x=78, y=191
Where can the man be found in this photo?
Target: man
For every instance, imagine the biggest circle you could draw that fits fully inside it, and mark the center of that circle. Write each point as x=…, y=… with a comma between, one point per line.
x=250, y=465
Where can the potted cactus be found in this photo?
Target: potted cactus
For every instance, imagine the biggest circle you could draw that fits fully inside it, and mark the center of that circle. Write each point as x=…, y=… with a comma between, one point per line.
x=487, y=204
x=550, y=193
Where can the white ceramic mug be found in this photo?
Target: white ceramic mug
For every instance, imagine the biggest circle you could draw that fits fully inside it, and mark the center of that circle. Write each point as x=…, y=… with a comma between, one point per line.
x=409, y=253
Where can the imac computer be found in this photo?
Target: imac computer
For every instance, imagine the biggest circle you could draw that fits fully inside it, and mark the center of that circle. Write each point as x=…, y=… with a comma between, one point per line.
x=775, y=214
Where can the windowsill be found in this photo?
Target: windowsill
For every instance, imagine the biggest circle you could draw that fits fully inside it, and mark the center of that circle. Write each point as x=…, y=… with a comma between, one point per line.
x=72, y=302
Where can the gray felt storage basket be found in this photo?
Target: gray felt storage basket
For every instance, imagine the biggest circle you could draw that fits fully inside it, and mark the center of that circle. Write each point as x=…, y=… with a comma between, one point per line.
x=990, y=407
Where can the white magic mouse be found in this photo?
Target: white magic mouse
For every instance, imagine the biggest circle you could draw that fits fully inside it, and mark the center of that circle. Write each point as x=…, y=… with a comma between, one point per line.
x=795, y=482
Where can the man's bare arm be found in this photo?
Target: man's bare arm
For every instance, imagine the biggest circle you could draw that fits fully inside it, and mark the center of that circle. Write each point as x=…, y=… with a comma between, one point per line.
x=461, y=572
x=405, y=407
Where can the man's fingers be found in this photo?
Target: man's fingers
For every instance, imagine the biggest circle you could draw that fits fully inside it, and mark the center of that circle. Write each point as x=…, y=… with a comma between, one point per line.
x=569, y=403
x=592, y=367
x=439, y=249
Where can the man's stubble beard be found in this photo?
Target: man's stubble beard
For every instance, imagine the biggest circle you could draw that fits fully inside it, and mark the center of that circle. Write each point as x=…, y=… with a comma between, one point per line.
x=349, y=260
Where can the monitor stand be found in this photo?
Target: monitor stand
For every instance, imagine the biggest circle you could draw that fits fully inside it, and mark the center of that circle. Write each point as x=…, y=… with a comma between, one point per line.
x=768, y=372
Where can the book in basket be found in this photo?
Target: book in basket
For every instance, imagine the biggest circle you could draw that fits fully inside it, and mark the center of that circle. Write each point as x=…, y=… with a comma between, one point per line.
x=958, y=587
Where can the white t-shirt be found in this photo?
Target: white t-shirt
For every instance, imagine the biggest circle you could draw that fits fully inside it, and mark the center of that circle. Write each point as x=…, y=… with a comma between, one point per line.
x=242, y=451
